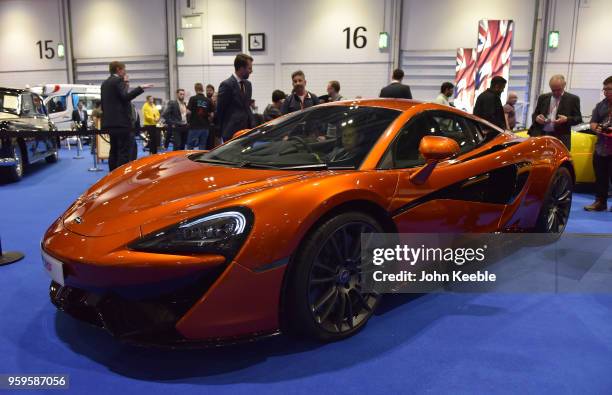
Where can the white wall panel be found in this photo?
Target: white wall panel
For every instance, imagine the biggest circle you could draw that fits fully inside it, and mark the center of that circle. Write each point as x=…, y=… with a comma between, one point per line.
x=426, y=70
x=447, y=25
x=21, y=79
x=141, y=70
x=118, y=28
x=22, y=24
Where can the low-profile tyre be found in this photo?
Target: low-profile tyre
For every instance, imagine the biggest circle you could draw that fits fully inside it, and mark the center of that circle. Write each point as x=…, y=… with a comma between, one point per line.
x=555, y=210
x=52, y=158
x=323, y=296
x=14, y=173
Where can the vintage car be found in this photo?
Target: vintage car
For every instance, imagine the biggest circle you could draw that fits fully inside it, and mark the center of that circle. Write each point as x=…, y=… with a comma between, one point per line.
x=262, y=234
x=24, y=111
x=583, y=146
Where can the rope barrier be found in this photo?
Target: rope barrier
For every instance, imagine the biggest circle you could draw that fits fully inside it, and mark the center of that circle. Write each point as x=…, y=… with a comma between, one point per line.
x=28, y=133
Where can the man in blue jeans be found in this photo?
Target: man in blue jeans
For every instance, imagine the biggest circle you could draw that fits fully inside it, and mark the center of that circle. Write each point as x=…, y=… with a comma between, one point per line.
x=202, y=110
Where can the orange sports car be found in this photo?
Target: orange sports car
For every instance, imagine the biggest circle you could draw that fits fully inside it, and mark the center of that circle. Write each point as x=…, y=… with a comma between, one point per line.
x=262, y=234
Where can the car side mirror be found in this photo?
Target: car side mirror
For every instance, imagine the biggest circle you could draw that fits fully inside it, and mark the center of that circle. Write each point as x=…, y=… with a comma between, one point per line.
x=434, y=149
x=240, y=133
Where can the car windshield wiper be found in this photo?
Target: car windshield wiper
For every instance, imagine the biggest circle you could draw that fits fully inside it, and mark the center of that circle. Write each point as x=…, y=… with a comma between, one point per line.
x=257, y=165
x=217, y=161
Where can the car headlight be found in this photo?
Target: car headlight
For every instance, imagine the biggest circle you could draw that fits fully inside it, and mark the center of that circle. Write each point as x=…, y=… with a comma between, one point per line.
x=221, y=233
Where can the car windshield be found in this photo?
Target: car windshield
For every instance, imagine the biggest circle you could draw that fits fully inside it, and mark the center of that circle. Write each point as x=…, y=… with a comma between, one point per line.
x=319, y=137
x=9, y=102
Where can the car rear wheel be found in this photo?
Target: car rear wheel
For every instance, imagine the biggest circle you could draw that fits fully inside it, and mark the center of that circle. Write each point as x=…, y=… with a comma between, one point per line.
x=555, y=210
x=324, y=298
x=52, y=158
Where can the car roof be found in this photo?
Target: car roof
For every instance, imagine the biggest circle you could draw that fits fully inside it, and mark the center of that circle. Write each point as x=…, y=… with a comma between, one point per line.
x=393, y=104
x=13, y=90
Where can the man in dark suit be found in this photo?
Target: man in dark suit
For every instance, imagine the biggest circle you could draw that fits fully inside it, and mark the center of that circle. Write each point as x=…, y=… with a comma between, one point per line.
x=79, y=117
x=396, y=89
x=117, y=114
x=556, y=112
x=488, y=104
x=234, y=99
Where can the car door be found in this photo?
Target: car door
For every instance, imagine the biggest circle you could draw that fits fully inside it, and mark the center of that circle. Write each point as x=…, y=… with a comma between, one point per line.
x=455, y=197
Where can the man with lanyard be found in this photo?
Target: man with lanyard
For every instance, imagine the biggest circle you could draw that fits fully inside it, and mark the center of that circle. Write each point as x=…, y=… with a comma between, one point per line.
x=300, y=98
x=601, y=123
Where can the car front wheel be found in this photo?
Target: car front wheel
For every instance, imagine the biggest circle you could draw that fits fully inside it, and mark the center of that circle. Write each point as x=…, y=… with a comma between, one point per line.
x=14, y=173
x=324, y=298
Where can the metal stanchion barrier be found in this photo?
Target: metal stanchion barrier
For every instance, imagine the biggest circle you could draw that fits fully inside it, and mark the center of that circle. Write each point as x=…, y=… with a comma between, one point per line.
x=94, y=155
x=79, y=148
x=9, y=256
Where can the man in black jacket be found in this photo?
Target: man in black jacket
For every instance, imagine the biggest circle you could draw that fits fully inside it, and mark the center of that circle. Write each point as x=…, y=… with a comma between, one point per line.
x=396, y=89
x=116, y=114
x=556, y=112
x=488, y=104
x=234, y=99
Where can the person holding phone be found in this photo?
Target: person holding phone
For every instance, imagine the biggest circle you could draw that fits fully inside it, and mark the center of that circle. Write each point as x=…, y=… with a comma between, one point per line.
x=601, y=123
x=556, y=112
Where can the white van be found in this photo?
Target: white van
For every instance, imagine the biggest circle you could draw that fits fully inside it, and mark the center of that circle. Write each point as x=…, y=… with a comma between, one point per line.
x=62, y=99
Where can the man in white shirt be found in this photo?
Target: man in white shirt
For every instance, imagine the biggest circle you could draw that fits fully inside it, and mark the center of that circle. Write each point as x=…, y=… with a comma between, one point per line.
x=446, y=92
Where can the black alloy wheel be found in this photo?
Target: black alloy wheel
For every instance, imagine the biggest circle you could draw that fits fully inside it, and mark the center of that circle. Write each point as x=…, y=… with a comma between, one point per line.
x=14, y=173
x=557, y=204
x=325, y=299
x=53, y=158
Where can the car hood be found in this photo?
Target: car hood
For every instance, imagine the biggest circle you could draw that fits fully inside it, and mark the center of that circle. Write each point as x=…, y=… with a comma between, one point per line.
x=169, y=190
x=5, y=115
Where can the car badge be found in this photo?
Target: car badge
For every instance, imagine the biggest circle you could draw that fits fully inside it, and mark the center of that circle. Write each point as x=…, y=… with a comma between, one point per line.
x=78, y=220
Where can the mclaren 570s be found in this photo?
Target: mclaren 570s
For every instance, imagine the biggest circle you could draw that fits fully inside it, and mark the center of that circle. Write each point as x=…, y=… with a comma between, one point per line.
x=262, y=234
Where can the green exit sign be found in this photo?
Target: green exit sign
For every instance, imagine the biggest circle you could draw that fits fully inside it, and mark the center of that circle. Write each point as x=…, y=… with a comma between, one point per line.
x=553, y=39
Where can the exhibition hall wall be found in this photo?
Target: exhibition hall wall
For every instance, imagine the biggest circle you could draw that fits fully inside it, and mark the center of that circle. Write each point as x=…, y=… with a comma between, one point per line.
x=583, y=54
x=311, y=36
x=24, y=24
x=133, y=31
x=433, y=30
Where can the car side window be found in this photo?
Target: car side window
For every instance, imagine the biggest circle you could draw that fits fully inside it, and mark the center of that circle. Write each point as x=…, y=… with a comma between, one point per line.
x=455, y=128
x=39, y=107
x=404, y=152
x=27, y=106
x=57, y=104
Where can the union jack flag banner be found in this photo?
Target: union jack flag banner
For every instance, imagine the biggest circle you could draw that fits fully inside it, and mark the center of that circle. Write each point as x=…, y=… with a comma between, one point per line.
x=465, y=71
x=493, y=53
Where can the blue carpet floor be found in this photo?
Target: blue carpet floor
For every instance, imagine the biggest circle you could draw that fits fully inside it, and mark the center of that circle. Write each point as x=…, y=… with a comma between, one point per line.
x=442, y=343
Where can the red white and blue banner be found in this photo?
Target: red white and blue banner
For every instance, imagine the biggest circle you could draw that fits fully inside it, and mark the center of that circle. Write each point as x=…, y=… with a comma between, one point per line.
x=493, y=53
x=476, y=67
x=465, y=73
